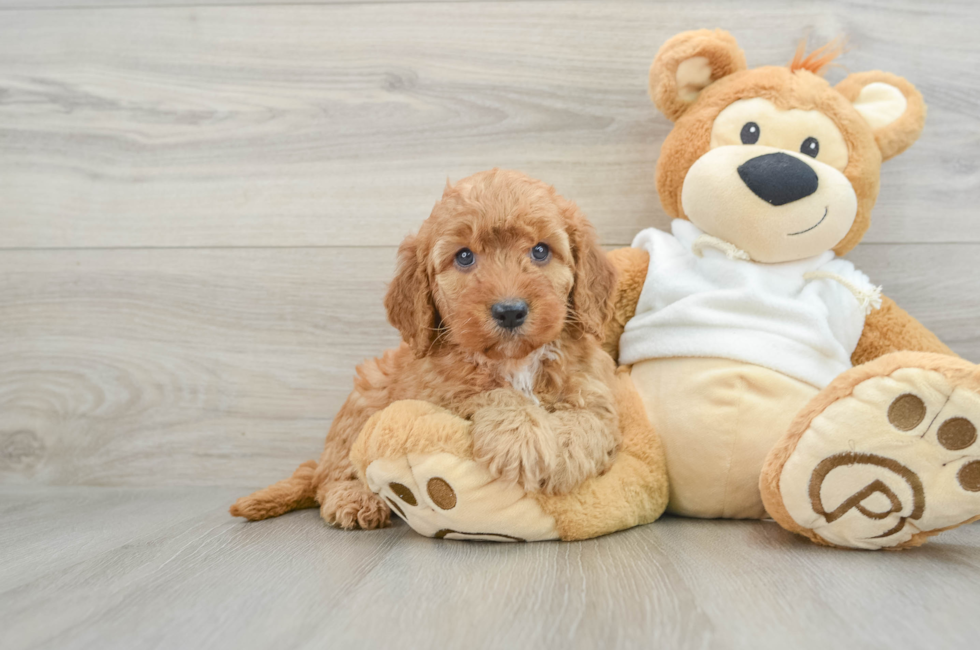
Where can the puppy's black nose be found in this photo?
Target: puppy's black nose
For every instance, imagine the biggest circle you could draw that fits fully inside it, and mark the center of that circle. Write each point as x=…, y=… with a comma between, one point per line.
x=509, y=313
x=778, y=178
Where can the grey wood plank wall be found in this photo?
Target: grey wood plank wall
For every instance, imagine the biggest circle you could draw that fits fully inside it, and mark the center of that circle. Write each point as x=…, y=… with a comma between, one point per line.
x=199, y=204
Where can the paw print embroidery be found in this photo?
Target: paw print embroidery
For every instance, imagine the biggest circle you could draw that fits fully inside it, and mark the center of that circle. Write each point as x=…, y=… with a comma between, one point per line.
x=440, y=492
x=898, y=457
x=446, y=497
x=861, y=500
x=908, y=412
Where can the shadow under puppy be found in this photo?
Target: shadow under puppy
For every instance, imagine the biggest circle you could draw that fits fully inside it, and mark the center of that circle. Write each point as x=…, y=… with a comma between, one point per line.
x=501, y=300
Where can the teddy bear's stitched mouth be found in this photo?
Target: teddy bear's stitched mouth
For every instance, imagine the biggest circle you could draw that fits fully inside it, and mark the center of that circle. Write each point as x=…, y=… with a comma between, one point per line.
x=825, y=211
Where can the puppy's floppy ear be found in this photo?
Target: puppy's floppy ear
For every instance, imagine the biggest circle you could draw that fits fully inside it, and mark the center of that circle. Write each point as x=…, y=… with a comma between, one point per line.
x=891, y=106
x=687, y=64
x=409, y=301
x=595, y=276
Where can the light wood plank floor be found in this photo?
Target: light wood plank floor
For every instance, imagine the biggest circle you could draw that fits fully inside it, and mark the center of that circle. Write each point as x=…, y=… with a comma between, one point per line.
x=199, y=206
x=124, y=568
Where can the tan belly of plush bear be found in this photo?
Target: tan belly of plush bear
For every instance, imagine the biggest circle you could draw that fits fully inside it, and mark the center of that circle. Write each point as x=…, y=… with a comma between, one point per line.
x=718, y=419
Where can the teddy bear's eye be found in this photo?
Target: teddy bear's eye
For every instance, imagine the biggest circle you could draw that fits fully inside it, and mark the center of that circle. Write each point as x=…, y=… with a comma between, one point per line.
x=810, y=147
x=750, y=133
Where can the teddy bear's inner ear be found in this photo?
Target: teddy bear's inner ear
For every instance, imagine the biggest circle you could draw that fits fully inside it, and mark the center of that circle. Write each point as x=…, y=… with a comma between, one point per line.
x=693, y=75
x=687, y=64
x=880, y=104
x=890, y=105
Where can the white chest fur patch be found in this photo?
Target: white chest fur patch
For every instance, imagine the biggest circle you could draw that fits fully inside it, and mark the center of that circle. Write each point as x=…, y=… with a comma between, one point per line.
x=523, y=378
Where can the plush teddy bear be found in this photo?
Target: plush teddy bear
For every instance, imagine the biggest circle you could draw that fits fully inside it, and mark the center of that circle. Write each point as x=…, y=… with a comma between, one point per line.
x=779, y=378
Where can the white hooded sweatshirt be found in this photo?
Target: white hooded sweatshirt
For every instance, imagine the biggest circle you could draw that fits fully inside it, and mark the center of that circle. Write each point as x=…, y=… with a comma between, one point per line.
x=710, y=305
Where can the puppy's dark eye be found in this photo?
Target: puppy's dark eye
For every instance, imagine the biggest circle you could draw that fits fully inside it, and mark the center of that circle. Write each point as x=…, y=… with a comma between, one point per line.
x=810, y=147
x=465, y=257
x=750, y=133
x=540, y=252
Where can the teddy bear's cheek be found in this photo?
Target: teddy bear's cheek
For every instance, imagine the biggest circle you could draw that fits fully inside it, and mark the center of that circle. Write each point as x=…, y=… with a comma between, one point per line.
x=775, y=205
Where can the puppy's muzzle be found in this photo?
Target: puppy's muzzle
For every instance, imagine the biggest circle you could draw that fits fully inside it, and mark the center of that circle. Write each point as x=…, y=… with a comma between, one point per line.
x=778, y=178
x=509, y=314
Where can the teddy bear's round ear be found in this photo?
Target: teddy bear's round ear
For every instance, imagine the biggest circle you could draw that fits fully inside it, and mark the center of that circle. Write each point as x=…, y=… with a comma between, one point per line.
x=687, y=64
x=891, y=106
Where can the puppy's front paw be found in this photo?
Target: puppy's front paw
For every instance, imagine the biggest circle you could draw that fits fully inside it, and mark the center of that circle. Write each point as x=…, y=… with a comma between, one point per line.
x=516, y=445
x=351, y=505
x=563, y=479
x=587, y=448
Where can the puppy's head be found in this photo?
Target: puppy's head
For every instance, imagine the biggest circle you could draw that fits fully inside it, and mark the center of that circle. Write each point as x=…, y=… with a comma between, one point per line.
x=501, y=266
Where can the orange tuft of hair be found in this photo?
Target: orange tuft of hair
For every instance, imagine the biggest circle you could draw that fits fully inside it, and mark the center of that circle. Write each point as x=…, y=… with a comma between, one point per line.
x=818, y=60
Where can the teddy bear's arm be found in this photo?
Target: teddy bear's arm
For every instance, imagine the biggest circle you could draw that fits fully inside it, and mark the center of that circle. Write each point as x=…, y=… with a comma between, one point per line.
x=631, y=272
x=892, y=329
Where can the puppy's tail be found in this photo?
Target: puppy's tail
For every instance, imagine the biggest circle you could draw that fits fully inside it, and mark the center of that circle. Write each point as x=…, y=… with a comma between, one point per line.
x=294, y=493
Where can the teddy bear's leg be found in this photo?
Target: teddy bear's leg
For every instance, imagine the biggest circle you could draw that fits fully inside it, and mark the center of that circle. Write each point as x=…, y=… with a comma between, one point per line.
x=887, y=455
x=418, y=458
x=718, y=419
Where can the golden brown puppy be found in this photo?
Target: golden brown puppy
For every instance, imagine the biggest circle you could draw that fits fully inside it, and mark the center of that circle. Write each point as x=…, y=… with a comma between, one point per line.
x=501, y=300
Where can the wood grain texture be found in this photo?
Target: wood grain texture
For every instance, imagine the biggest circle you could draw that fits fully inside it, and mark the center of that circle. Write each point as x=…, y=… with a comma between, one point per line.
x=337, y=124
x=173, y=570
x=180, y=366
x=144, y=4
x=199, y=203
x=225, y=367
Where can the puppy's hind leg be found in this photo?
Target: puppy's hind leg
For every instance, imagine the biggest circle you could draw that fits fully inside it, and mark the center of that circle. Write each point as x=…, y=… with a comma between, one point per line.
x=344, y=500
x=350, y=504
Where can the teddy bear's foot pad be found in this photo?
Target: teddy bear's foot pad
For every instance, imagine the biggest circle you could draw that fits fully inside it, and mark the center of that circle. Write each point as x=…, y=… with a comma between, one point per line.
x=447, y=497
x=889, y=464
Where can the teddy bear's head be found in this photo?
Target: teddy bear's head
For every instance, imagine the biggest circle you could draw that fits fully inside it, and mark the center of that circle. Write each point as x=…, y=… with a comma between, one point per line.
x=775, y=160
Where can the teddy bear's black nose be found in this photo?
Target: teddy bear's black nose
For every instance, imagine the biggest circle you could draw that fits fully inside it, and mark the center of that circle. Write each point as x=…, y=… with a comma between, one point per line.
x=778, y=178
